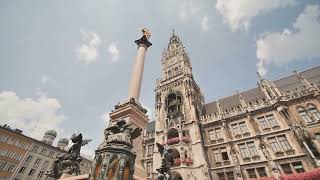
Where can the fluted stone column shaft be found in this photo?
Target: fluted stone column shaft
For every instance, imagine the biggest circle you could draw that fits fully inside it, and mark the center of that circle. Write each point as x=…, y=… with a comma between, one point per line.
x=137, y=73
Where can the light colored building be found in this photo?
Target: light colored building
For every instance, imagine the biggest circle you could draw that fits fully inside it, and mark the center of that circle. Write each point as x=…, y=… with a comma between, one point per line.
x=269, y=130
x=13, y=148
x=36, y=157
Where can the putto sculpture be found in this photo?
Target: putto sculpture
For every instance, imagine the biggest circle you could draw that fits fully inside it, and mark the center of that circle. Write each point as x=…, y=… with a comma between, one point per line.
x=114, y=157
x=166, y=162
x=69, y=163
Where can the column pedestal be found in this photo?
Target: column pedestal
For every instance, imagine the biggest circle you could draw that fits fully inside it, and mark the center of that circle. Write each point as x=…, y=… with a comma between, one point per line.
x=134, y=113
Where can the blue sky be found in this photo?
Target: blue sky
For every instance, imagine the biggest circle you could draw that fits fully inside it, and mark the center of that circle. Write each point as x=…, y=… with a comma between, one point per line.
x=63, y=64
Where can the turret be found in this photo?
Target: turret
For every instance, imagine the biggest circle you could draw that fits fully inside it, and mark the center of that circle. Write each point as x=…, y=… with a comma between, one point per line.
x=63, y=143
x=49, y=136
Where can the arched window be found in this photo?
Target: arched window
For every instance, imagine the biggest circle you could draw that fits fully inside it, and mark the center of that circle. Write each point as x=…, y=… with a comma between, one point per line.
x=313, y=112
x=303, y=113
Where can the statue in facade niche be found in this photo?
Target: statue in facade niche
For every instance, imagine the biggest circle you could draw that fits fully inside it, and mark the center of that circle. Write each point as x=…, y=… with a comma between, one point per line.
x=69, y=163
x=166, y=162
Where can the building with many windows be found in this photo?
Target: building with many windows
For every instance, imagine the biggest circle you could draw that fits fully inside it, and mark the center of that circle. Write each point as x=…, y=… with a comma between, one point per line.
x=25, y=158
x=269, y=130
x=13, y=148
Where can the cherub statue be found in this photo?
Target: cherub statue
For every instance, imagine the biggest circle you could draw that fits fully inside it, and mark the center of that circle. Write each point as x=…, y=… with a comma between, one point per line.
x=166, y=162
x=69, y=163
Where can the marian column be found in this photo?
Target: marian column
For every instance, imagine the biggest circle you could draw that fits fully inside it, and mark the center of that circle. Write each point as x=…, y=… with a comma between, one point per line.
x=131, y=110
x=136, y=78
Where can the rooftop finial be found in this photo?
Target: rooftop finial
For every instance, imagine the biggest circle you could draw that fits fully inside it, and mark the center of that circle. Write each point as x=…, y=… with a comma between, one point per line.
x=173, y=33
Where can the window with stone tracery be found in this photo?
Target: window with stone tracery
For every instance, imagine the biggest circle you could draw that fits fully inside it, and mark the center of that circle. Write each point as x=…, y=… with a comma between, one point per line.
x=304, y=114
x=313, y=112
x=309, y=114
x=268, y=122
x=279, y=143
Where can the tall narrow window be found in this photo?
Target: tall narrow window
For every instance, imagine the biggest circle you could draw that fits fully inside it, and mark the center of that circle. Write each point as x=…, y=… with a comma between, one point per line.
x=22, y=170
x=284, y=143
x=274, y=144
x=31, y=172
x=252, y=149
x=314, y=112
x=267, y=122
x=236, y=129
x=29, y=158
x=218, y=133
x=37, y=161
x=272, y=121
x=243, y=127
x=211, y=134
x=215, y=134
x=40, y=174
x=263, y=122
x=217, y=157
x=243, y=150
x=303, y=113
x=45, y=164
x=3, y=165
x=149, y=167
x=224, y=154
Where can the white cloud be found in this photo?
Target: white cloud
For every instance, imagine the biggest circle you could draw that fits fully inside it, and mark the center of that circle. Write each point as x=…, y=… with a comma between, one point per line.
x=299, y=43
x=239, y=13
x=204, y=23
x=193, y=11
x=188, y=8
x=88, y=51
x=114, y=52
x=44, y=79
x=33, y=116
x=105, y=117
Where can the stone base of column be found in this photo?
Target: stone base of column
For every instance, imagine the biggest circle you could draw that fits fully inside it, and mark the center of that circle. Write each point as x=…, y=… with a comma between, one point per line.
x=133, y=112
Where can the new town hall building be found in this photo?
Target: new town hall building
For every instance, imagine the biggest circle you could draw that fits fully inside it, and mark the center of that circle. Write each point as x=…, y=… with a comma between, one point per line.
x=269, y=130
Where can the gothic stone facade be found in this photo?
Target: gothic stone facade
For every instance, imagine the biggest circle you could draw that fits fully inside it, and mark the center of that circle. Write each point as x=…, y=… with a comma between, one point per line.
x=269, y=130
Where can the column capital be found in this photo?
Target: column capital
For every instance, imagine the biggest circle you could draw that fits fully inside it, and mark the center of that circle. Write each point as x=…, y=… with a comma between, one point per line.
x=143, y=41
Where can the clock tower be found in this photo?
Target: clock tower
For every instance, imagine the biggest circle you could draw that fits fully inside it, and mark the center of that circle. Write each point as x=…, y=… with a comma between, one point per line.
x=178, y=109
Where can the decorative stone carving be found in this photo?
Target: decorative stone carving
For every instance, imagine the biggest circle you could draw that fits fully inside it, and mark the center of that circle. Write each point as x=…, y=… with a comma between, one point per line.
x=114, y=157
x=237, y=170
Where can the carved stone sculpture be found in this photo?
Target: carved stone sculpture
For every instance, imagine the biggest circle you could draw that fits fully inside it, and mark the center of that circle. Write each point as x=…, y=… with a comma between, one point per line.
x=69, y=163
x=114, y=157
